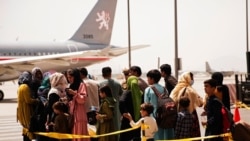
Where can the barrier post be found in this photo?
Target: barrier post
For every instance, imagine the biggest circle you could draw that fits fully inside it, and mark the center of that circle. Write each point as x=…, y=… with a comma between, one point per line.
x=143, y=138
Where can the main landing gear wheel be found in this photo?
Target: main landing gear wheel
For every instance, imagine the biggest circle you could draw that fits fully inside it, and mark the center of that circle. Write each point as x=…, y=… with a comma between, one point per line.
x=1, y=95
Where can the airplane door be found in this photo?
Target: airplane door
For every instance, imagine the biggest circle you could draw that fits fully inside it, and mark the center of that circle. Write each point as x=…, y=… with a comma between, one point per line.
x=73, y=48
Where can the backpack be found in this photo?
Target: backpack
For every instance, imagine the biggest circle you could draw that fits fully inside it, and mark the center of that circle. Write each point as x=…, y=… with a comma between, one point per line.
x=227, y=118
x=166, y=112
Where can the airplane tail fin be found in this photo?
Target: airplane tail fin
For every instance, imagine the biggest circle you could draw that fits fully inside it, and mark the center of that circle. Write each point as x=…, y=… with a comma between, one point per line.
x=208, y=68
x=98, y=25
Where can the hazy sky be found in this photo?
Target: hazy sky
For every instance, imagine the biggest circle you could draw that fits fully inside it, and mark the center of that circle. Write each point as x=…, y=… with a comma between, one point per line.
x=208, y=30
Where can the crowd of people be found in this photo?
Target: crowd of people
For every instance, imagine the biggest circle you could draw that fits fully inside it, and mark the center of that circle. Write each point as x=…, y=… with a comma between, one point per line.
x=69, y=101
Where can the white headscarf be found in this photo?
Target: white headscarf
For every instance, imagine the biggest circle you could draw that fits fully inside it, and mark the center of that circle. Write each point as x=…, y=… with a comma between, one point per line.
x=58, y=84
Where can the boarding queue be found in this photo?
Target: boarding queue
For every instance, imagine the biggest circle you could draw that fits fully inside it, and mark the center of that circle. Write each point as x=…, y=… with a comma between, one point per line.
x=72, y=102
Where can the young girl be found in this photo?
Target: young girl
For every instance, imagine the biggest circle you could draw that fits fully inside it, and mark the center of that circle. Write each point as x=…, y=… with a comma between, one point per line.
x=105, y=116
x=149, y=121
x=61, y=120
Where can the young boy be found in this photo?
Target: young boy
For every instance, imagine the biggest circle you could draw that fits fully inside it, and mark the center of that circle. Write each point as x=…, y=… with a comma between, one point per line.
x=105, y=121
x=149, y=121
x=184, y=121
x=214, y=122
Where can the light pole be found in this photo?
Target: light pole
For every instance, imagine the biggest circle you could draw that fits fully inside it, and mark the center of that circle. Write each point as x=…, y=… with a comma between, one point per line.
x=176, y=60
x=247, y=26
x=247, y=43
x=129, y=43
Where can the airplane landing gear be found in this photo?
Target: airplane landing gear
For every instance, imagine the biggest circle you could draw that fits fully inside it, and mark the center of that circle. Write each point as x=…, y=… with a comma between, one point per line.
x=1, y=95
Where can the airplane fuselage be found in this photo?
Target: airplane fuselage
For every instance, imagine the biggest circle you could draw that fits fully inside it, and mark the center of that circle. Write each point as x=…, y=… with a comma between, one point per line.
x=17, y=50
x=22, y=49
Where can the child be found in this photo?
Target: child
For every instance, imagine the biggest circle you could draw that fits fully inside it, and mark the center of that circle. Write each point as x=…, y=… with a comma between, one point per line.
x=61, y=120
x=105, y=121
x=149, y=121
x=214, y=124
x=184, y=121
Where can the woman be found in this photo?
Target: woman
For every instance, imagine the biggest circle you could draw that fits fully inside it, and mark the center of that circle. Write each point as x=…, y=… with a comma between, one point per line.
x=25, y=104
x=56, y=93
x=78, y=91
x=184, y=88
x=37, y=77
x=130, y=102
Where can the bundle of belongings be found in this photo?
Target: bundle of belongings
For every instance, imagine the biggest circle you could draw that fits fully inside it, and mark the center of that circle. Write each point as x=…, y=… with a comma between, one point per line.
x=241, y=131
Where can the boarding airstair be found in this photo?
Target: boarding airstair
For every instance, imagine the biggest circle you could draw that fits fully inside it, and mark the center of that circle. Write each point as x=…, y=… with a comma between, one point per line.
x=242, y=82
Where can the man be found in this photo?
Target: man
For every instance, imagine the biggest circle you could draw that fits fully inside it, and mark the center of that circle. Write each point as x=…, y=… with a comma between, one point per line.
x=214, y=124
x=170, y=81
x=93, y=102
x=116, y=92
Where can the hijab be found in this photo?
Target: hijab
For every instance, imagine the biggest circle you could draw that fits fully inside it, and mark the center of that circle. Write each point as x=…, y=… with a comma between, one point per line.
x=77, y=78
x=184, y=81
x=25, y=78
x=133, y=86
x=184, y=88
x=58, y=84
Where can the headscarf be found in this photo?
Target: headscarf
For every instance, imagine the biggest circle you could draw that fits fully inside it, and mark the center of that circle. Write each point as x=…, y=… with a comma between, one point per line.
x=184, y=88
x=44, y=88
x=34, y=71
x=184, y=81
x=58, y=84
x=136, y=95
x=77, y=78
x=25, y=78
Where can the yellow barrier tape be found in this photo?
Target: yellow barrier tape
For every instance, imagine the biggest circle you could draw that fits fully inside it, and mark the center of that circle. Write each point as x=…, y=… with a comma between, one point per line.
x=241, y=104
x=73, y=136
x=143, y=127
x=229, y=135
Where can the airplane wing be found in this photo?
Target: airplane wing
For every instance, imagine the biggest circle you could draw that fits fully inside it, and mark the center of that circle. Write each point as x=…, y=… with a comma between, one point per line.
x=10, y=69
x=123, y=50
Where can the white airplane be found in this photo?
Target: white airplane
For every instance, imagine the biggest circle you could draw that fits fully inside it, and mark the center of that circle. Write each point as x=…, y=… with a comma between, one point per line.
x=89, y=45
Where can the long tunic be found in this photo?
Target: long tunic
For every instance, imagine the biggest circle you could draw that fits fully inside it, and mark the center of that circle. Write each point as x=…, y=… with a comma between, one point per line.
x=150, y=97
x=116, y=92
x=107, y=125
x=77, y=108
x=25, y=108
